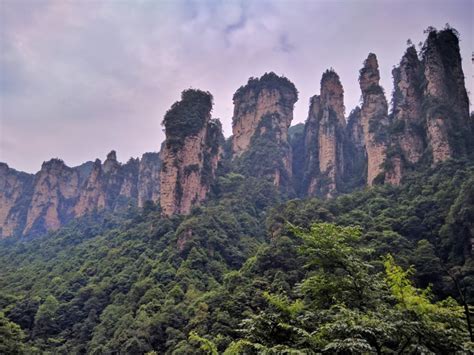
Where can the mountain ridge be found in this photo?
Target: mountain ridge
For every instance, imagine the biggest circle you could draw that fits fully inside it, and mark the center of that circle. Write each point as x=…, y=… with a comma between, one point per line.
x=429, y=123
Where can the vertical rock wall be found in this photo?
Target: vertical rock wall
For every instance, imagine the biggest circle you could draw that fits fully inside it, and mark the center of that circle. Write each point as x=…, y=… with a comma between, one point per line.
x=263, y=111
x=324, y=135
x=374, y=117
x=190, y=154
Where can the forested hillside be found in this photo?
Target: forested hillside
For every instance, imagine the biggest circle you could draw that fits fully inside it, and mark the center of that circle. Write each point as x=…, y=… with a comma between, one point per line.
x=347, y=235
x=381, y=270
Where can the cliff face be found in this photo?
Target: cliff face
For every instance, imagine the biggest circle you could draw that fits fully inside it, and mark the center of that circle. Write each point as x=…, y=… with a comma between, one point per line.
x=190, y=154
x=55, y=189
x=113, y=186
x=407, y=106
x=263, y=111
x=430, y=107
x=429, y=122
x=374, y=118
x=15, y=194
x=93, y=195
x=324, y=135
x=149, y=178
x=35, y=204
x=446, y=105
x=355, y=155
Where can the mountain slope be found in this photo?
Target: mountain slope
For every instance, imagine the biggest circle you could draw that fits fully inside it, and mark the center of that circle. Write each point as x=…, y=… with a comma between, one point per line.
x=139, y=282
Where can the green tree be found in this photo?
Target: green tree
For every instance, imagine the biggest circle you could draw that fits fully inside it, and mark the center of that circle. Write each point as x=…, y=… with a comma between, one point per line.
x=11, y=337
x=345, y=306
x=436, y=327
x=206, y=345
x=46, y=319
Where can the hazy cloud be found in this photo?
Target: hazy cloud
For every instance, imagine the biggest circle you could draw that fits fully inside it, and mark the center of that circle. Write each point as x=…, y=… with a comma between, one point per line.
x=79, y=78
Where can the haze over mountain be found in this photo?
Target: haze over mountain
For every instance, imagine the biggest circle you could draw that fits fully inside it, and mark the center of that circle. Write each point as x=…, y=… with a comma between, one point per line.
x=103, y=75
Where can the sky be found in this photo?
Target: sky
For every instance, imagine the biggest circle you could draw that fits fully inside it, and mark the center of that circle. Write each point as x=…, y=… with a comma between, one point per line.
x=80, y=78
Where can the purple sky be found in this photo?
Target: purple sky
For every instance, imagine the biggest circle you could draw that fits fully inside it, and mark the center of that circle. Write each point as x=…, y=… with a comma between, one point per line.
x=80, y=78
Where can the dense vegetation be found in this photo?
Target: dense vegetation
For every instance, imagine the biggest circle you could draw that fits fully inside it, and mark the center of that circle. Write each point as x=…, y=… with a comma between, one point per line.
x=382, y=270
x=268, y=81
x=187, y=116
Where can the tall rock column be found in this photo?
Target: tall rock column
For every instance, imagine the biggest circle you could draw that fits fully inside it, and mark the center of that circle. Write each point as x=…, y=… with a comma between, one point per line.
x=374, y=117
x=407, y=129
x=263, y=111
x=324, y=136
x=190, y=154
x=446, y=100
x=407, y=106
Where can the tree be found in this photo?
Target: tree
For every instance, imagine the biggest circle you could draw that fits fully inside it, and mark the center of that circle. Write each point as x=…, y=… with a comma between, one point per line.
x=205, y=344
x=46, y=319
x=345, y=306
x=436, y=327
x=11, y=337
x=338, y=272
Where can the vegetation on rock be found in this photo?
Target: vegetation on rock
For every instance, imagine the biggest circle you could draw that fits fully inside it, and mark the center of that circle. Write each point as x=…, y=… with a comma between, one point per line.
x=187, y=116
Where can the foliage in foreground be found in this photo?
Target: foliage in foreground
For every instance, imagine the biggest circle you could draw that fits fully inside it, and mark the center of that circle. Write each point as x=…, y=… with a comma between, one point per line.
x=344, y=305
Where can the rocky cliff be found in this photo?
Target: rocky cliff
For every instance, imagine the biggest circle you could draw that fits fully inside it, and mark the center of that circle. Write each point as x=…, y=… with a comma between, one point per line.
x=35, y=204
x=430, y=107
x=429, y=123
x=15, y=192
x=407, y=107
x=324, y=136
x=55, y=190
x=263, y=111
x=355, y=154
x=445, y=104
x=149, y=178
x=374, y=118
x=190, y=154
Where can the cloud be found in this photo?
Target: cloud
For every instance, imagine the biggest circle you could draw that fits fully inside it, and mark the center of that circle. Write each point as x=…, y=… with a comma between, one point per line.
x=81, y=78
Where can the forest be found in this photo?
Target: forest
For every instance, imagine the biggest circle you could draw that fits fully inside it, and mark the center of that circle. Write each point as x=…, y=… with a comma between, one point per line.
x=380, y=270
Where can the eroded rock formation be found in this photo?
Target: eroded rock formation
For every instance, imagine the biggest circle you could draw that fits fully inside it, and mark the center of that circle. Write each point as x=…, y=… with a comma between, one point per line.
x=429, y=123
x=35, y=204
x=324, y=136
x=263, y=111
x=55, y=188
x=407, y=107
x=190, y=154
x=374, y=118
x=446, y=104
x=430, y=107
x=149, y=178
x=15, y=196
